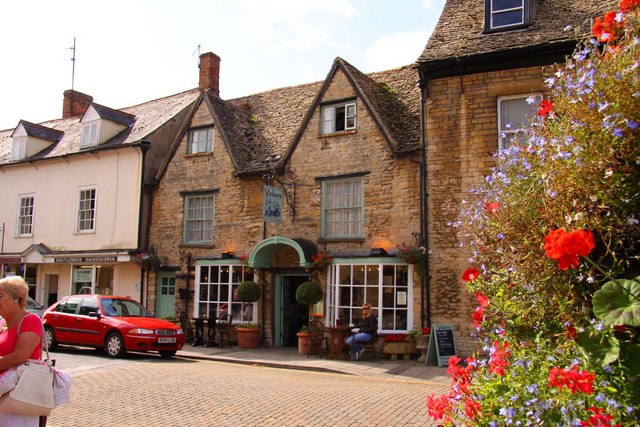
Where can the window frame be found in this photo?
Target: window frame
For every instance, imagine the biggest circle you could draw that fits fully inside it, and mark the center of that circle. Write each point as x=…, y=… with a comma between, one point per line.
x=371, y=267
x=89, y=138
x=324, y=208
x=502, y=126
x=205, y=146
x=21, y=216
x=489, y=15
x=80, y=210
x=19, y=148
x=211, y=286
x=329, y=118
x=187, y=198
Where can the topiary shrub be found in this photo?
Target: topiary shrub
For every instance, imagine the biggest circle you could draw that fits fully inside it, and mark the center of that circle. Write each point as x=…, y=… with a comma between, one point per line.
x=248, y=291
x=309, y=293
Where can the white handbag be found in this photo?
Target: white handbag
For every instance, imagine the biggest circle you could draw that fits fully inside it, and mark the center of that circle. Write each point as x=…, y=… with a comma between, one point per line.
x=33, y=393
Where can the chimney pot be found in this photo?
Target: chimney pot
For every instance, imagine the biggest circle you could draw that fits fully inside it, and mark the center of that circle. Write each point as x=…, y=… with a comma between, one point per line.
x=210, y=72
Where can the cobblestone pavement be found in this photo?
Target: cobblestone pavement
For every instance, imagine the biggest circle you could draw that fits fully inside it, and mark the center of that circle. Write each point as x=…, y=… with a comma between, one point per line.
x=200, y=393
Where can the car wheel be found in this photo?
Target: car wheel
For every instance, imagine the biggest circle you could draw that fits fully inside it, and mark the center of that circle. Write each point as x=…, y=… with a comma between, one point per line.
x=114, y=345
x=50, y=338
x=167, y=354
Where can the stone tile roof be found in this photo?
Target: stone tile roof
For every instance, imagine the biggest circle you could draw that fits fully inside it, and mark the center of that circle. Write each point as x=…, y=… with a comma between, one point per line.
x=459, y=32
x=149, y=117
x=267, y=124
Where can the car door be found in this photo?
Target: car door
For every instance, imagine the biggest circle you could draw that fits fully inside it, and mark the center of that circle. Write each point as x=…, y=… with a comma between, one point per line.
x=63, y=319
x=89, y=329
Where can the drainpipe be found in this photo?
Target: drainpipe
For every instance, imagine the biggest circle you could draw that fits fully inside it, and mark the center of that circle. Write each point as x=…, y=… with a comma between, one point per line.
x=144, y=147
x=425, y=285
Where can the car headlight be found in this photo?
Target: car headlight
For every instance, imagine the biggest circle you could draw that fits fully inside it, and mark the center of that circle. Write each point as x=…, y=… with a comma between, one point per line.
x=141, y=331
x=180, y=332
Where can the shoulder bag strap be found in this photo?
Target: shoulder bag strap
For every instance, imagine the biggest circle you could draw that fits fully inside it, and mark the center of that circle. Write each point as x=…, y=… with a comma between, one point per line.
x=42, y=340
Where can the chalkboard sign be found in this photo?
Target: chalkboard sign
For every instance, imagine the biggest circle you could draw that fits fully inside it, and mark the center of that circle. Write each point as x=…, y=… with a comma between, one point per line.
x=442, y=345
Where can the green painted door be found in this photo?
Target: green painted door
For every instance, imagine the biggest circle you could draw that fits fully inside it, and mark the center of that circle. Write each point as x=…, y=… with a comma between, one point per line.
x=166, y=294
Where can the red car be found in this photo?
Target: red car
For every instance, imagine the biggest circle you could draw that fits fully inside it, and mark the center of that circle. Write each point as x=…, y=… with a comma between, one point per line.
x=117, y=324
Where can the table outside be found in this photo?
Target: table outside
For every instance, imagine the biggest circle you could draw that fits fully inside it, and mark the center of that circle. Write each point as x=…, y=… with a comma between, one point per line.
x=199, y=338
x=338, y=348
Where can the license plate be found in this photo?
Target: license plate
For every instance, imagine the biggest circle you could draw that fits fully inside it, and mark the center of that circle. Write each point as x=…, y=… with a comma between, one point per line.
x=166, y=340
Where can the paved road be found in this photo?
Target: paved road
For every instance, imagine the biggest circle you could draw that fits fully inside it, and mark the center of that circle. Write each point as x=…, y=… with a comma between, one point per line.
x=148, y=391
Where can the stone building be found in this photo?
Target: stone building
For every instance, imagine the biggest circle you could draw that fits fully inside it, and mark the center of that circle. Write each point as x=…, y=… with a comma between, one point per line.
x=338, y=162
x=482, y=62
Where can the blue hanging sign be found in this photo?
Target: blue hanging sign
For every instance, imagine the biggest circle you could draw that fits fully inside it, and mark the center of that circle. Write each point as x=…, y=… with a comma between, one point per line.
x=272, y=204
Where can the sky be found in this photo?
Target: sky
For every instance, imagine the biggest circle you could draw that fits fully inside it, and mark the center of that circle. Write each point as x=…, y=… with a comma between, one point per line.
x=130, y=52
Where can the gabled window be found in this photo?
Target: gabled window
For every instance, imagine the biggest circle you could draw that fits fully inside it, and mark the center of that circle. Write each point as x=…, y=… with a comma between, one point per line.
x=19, y=149
x=514, y=115
x=201, y=140
x=342, y=208
x=338, y=117
x=505, y=14
x=86, y=210
x=198, y=218
x=25, y=216
x=90, y=134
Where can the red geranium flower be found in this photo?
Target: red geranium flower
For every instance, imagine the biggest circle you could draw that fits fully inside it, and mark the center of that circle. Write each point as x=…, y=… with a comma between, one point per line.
x=545, y=107
x=470, y=274
x=629, y=5
x=492, y=207
x=567, y=247
x=482, y=299
x=607, y=30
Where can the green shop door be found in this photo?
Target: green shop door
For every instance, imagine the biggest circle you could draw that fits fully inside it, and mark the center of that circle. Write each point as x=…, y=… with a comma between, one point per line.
x=166, y=294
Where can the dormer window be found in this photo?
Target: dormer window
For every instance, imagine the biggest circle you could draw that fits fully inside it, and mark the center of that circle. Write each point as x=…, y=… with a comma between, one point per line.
x=19, y=148
x=90, y=134
x=338, y=117
x=505, y=14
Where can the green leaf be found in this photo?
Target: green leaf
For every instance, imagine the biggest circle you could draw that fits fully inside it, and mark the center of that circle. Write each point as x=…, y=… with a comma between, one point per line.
x=602, y=350
x=618, y=302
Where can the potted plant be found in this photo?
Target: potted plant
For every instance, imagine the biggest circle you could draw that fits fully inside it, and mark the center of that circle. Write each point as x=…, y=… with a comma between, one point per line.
x=400, y=345
x=248, y=333
x=319, y=261
x=308, y=293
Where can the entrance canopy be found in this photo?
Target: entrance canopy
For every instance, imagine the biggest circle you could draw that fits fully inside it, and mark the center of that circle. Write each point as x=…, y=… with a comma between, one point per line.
x=261, y=255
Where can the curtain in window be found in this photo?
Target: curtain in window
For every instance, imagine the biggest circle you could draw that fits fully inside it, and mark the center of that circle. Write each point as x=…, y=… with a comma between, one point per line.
x=343, y=208
x=199, y=215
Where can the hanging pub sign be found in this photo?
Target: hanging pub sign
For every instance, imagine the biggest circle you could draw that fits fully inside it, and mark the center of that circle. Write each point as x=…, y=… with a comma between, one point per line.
x=272, y=204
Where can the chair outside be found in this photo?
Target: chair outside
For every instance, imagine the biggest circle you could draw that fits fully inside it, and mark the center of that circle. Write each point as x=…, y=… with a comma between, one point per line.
x=186, y=326
x=316, y=336
x=224, y=327
x=370, y=347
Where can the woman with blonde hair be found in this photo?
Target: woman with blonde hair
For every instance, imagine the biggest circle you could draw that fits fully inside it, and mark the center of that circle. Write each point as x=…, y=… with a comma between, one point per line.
x=367, y=327
x=16, y=348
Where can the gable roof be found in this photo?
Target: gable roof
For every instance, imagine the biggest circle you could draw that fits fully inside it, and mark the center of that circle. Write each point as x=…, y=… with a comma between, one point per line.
x=114, y=115
x=270, y=123
x=459, y=38
x=149, y=116
x=39, y=131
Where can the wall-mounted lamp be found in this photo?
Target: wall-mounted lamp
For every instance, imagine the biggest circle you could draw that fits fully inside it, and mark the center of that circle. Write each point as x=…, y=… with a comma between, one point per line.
x=227, y=254
x=378, y=252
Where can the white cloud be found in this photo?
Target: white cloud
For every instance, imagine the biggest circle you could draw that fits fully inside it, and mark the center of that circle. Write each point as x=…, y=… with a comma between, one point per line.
x=395, y=50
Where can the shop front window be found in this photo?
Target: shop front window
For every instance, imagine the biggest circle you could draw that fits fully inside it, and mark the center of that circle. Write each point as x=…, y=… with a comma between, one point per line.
x=92, y=279
x=387, y=287
x=216, y=293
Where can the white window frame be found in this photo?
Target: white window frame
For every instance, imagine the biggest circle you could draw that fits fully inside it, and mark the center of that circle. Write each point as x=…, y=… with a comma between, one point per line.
x=90, y=133
x=383, y=283
x=204, y=223
x=86, y=215
x=507, y=132
x=216, y=293
x=19, y=148
x=329, y=117
x=492, y=13
x=26, y=209
x=352, y=208
x=201, y=140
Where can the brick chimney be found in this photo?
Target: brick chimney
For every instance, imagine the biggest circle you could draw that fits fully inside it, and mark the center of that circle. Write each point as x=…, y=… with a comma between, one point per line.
x=75, y=103
x=210, y=72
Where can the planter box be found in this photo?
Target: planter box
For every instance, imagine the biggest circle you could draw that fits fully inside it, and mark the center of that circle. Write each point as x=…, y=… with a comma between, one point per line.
x=395, y=349
x=248, y=337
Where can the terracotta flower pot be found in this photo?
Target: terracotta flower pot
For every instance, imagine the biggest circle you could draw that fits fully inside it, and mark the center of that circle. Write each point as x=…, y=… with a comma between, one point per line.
x=303, y=342
x=248, y=337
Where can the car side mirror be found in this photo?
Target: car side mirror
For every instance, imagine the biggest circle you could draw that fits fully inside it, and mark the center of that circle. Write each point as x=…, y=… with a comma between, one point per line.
x=94, y=314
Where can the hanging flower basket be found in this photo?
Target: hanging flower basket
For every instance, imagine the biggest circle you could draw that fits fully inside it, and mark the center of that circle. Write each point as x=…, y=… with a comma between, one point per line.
x=320, y=261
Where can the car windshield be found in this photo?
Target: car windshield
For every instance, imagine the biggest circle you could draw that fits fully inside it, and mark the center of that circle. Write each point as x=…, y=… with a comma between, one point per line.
x=123, y=307
x=33, y=304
